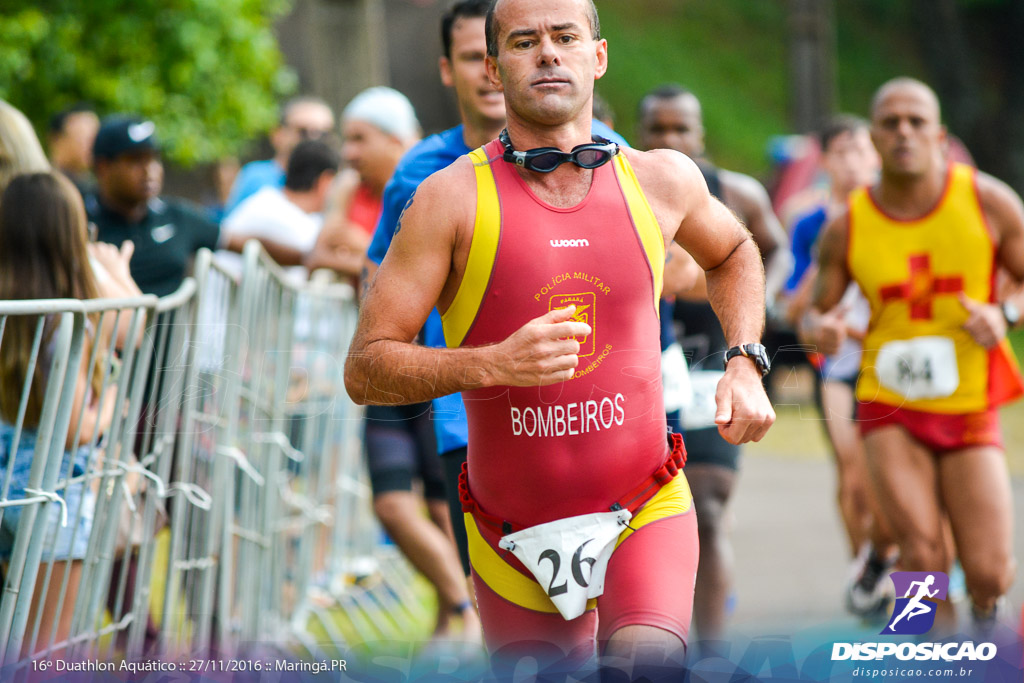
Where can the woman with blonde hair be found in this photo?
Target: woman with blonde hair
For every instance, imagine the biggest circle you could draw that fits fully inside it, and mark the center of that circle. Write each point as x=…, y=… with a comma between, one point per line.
x=20, y=151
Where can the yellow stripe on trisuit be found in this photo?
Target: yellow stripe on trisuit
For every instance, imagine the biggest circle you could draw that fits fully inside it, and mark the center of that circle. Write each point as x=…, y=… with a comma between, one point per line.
x=643, y=219
x=483, y=248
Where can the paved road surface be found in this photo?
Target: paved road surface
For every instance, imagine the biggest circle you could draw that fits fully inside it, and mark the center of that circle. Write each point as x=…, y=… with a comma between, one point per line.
x=791, y=556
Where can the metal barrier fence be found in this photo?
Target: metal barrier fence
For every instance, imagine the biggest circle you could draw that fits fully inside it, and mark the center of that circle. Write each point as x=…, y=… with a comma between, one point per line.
x=184, y=475
x=69, y=450
x=197, y=532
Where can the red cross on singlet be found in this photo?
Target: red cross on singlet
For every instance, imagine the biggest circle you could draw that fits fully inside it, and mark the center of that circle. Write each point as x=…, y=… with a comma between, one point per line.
x=921, y=287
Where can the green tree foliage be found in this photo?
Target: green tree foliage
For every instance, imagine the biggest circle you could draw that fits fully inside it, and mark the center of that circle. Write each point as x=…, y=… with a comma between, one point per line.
x=730, y=53
x=208, y=72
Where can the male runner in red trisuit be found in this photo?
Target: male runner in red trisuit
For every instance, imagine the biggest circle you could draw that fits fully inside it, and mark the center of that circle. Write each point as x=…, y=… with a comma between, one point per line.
x=547, y=267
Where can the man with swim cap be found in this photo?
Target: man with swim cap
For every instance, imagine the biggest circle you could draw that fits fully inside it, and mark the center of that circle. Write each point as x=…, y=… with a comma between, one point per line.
x=926, y=244
x=547, y=275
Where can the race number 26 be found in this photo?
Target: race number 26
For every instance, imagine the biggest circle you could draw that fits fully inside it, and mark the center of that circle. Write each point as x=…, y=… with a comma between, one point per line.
x=576, y=568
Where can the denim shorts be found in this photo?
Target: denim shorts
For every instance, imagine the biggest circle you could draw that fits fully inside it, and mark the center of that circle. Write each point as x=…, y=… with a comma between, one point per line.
x=60, y=542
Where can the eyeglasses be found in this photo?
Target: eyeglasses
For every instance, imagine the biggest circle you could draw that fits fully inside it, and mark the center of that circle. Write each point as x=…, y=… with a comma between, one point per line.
x=310, y=133
x=547, y=159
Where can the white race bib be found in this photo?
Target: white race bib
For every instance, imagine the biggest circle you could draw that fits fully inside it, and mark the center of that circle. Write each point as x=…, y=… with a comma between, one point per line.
x=920, y=368
x=675, y=379
x=569, y=557
x=700, y=413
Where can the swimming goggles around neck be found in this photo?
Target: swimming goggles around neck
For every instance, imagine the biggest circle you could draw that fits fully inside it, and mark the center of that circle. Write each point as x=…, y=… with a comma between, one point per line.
x=547, y=159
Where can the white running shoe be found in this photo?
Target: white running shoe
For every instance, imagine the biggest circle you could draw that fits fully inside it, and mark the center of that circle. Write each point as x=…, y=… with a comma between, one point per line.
x=868, y=593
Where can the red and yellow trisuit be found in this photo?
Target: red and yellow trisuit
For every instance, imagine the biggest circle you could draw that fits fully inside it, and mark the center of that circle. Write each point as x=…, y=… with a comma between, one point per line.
x=588, y=445
x=920, y=368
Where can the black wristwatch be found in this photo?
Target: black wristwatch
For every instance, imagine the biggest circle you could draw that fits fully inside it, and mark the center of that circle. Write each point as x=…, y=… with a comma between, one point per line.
x=1011, y=313
x=755, y=352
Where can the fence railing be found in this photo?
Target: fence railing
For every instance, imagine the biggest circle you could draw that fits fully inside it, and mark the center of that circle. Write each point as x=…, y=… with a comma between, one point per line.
x=184, y=475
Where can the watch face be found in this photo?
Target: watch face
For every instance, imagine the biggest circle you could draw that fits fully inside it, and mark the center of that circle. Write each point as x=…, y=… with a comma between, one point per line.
x=759, y=355
x=763, y=363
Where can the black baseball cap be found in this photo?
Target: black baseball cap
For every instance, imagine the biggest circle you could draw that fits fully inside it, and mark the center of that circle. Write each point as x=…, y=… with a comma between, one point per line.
x=124, y=134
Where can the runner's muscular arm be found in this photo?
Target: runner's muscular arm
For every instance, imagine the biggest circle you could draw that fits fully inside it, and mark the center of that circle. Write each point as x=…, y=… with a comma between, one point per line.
x=754, y=207
x=735, y=280
x=1004, y=214
x=824, y=325
x=385, y=367
x=398, y=194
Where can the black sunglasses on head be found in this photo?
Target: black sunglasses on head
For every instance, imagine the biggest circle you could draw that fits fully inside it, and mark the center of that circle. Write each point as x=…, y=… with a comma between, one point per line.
x=547, y=159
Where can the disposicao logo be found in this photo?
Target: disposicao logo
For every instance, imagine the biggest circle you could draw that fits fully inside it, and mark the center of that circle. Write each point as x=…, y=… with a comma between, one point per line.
x=913, y=615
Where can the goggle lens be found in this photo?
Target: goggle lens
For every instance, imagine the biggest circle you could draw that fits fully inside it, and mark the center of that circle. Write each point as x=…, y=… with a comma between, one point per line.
x=592, y=158
x=545, y=163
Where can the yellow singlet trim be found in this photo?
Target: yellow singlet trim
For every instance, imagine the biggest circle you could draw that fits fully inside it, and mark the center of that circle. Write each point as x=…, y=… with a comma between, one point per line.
x=483, y=249
x=646, y=224
x=673, y=498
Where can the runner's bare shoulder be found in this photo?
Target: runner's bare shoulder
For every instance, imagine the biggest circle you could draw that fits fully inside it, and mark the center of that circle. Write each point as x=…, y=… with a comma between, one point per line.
x=664, y=173
x=672, y=183
x=444, y=204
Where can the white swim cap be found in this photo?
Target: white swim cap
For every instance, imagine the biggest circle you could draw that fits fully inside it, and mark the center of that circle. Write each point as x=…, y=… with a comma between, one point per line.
x=385, y=108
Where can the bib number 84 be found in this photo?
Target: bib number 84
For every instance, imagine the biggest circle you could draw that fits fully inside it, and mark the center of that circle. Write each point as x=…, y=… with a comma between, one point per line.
x=919, y=369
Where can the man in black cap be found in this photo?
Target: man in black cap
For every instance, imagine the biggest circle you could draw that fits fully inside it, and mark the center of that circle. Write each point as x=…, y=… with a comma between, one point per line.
x=126, y=206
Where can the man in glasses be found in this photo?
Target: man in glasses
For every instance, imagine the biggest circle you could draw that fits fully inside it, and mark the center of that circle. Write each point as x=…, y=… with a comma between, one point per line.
x=302, y=118
x=548, y=282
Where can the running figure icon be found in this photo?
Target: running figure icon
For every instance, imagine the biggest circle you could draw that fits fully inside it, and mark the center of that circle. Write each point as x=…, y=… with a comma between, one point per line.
x=916, y=607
